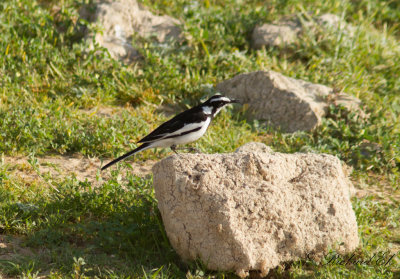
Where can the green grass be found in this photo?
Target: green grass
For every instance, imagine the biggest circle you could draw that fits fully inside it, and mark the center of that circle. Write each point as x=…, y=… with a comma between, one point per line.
x=49, y=86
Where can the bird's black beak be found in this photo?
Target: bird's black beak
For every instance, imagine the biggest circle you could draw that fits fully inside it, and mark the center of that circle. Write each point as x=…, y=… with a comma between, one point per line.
x=234, y=101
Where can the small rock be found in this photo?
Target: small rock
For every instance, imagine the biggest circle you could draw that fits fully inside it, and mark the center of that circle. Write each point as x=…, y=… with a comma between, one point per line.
x=369, y=149
x=281, y=35
x=121, y=19
x=291, y=104
x=289, y=31
x=333, y=22
x=349, y=102
x=254, y=210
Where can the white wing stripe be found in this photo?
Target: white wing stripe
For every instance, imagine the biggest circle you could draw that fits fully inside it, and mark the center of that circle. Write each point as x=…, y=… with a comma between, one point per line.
x=187, y=127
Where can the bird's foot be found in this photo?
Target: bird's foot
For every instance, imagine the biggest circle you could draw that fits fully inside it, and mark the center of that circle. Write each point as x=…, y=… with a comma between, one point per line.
x=173, y=148
x=194, y=150
x=189, y=149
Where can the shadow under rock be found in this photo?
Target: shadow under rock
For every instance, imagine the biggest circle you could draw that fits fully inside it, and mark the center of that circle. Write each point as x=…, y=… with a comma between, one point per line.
x=114, y=228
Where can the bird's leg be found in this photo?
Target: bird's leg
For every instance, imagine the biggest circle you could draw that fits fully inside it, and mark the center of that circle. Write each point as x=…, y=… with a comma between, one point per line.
x=193, y=149
x=173, y=148
x=190, y=149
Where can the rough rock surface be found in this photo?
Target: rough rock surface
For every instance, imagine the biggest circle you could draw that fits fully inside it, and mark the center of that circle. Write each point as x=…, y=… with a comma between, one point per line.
x=257, y=147
x=121, y=19
x=286, y=32
x=286, y=102
x=253, y=210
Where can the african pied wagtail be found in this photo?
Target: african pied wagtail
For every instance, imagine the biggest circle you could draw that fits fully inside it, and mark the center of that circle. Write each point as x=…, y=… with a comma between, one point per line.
x=185, y=127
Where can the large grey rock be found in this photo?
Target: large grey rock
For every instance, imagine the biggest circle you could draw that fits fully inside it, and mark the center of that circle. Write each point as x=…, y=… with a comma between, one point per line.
x=121, y=19
x=288, y=31
x=288, y=103
x=253, y=210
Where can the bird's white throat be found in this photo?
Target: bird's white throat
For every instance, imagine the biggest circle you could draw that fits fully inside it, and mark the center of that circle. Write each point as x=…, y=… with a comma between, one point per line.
x=207, y=110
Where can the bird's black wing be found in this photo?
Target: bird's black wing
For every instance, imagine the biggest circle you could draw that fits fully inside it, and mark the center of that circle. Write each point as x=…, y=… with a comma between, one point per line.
x=193, y=115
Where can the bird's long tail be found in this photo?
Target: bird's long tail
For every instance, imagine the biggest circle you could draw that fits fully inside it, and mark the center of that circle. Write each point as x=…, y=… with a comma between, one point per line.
x=130, y=153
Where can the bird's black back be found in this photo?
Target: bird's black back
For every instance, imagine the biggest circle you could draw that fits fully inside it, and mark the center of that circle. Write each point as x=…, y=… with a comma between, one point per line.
x=193, y=115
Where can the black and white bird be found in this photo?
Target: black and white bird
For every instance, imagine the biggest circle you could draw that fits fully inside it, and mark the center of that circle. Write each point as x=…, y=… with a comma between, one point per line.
x=185, y=127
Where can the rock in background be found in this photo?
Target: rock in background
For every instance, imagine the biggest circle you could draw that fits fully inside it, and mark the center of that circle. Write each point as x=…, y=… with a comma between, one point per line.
x=288, y=103
x=288, y=31
x=121, y=19
x=254, y=209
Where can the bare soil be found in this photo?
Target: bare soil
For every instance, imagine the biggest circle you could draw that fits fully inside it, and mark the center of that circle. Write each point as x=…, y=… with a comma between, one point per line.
x=58, y=167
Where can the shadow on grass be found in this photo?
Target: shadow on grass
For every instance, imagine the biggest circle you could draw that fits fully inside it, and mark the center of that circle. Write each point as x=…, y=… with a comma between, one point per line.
x=114, y=229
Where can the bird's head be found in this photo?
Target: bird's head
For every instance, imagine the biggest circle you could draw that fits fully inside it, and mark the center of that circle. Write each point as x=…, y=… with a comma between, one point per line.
x=216, y=103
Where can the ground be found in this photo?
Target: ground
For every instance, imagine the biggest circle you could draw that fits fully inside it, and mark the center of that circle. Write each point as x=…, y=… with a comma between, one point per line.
x=66, y=110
